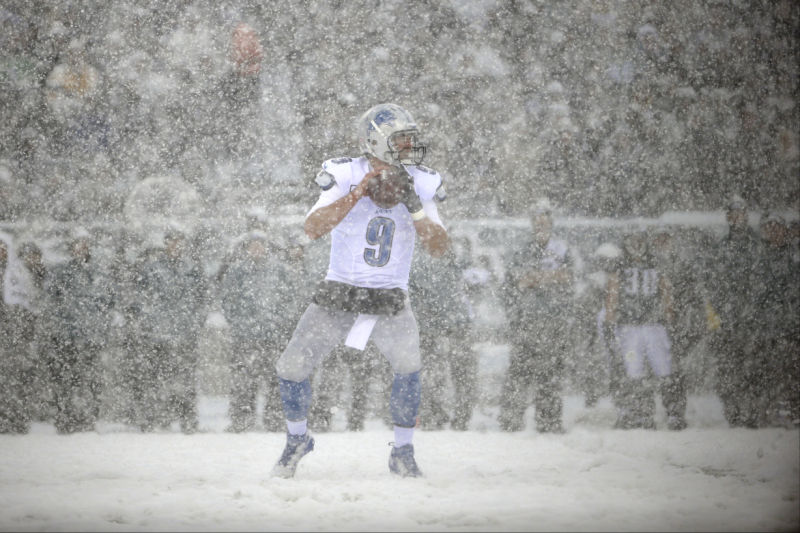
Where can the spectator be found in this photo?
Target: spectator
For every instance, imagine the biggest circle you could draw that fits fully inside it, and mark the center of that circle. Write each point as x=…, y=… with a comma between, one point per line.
x=538, y=300
x=780, y=329
x=688, y=326
x=72, y=90
x=22, y=295
x=165, y=71
x=248, y=121
x=236, y=97
x=734, y=280
x=123, y=272
x=145, y=353
x=794, y=239
x=256, y=291
x=169, y=310
x=590, y=347
x=438, y=294
x=77, y=304
x=607, y=257
x=14, y=413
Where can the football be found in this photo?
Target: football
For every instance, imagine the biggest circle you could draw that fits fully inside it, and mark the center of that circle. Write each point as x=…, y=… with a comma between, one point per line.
x=386, y=190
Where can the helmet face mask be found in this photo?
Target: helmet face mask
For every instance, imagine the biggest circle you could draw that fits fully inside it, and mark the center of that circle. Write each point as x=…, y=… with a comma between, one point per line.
x=389, y=133
x=405, y=147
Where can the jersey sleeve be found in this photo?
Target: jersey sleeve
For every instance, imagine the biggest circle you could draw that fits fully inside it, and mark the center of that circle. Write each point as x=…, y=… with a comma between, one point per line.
x=327, y=197
x=431, y=211
x=426, y=183
x=340, y=172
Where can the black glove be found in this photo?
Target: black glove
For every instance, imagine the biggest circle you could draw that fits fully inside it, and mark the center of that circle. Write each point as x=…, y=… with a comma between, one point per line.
x=410, y=199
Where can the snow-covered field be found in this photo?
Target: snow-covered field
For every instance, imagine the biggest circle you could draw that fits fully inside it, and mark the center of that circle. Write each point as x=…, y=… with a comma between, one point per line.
x=706, y=478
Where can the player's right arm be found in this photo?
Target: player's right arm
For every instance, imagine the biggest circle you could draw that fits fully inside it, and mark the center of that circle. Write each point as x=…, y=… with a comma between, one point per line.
x=321, y=221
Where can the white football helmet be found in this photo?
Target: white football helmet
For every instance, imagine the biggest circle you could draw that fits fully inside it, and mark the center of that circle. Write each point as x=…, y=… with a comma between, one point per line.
x=389, y=133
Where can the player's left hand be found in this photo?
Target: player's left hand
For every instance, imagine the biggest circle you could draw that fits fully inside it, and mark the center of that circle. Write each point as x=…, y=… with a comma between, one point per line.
x=410, y=199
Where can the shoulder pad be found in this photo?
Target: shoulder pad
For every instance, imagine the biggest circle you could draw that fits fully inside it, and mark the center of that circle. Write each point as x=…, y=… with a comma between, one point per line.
x=440, y=194
x=325, y=180
x=426, y=181
x=426, y=169
x=339, y=160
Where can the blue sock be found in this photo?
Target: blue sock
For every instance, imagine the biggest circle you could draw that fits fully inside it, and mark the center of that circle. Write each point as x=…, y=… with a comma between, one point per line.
x=404, y=404
x=296, y=397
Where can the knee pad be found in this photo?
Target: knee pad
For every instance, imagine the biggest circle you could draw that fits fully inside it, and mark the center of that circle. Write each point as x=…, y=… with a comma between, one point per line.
x=296, y=397
x=405, y=399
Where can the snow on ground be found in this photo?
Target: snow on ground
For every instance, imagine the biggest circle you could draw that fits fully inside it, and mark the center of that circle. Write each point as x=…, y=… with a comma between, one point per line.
x=706, y=478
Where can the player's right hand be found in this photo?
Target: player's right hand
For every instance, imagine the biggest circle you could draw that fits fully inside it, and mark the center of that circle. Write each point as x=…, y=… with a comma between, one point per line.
x=361, y=189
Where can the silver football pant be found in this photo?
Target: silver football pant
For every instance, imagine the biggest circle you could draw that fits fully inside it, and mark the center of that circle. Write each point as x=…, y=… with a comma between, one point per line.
x=320, y=330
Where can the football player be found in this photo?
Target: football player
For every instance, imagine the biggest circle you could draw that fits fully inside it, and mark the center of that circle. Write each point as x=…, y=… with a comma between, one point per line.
x=638, y=307
x=374, y=207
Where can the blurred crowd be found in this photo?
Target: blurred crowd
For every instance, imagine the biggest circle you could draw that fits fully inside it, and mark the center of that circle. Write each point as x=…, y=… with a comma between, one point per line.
x=117, y=337
x=618, y=108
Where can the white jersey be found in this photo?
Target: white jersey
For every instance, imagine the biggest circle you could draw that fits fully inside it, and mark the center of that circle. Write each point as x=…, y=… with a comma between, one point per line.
x=372, y=246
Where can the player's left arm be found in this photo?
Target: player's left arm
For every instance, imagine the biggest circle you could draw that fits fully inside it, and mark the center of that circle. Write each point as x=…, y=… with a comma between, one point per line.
x=430, y=230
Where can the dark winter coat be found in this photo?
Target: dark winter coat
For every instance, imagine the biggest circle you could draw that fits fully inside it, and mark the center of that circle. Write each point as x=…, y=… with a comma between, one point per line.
x=171, y=299
x=258, y=299
x=689, y=320
x=736, y=281
x=6, y=328
x=544, y=304
x=438, y=294
x=780, y=304
x=77, y=302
